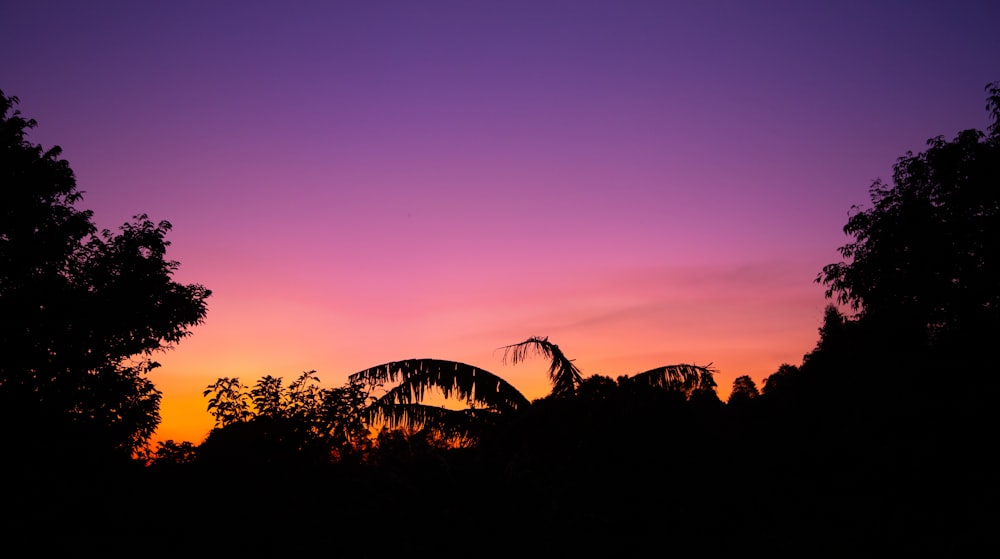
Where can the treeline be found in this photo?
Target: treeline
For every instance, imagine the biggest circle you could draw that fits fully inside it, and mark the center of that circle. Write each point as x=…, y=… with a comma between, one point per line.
x=879, y=441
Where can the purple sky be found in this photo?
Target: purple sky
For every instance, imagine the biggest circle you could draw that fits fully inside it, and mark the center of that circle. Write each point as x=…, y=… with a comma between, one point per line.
x=358, y=182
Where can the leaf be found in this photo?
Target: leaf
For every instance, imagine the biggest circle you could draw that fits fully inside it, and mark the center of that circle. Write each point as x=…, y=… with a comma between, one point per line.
x=684, y=378
x=563, y=373
x=454, y=379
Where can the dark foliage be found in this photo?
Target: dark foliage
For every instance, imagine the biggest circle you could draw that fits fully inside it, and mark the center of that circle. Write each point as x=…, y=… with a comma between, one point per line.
x=81, y=311
x=563, y=373
x=692, y=381
x=744, y=390
x=924, y=266
x=273, y=424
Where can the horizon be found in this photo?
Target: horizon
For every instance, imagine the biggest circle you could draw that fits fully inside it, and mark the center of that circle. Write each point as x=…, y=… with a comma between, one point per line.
x=645, y=185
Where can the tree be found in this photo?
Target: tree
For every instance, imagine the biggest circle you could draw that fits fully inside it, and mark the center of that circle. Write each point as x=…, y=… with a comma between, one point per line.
x=783, y=381
x=923, y=269
x=82, y=311
x=744, y=390
x=486, y=395
x=687, y=380
x=172, y=453
x=229, y=402
x=563, y=373
x=271, y=423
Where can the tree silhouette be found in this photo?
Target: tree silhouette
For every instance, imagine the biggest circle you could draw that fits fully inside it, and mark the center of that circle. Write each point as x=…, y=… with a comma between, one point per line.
x=268, y=396
x=489, y=396
x=924, y=266
x=563, y=373
x=688, y=380
x=82, y=311
x=172, y=453
x=993, y=107
x=486, y=394
x=782, y=381
x=229, y=402
x=270, y=423
x=744, y=390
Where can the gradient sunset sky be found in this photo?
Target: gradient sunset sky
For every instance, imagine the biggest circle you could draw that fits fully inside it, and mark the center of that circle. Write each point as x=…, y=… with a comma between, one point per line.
x=646, y=183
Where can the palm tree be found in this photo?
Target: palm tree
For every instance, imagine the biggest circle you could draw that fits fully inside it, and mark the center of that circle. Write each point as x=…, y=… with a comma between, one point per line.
x=686, y=379
x=488, y=395
x=563, y=373
x=485, y=393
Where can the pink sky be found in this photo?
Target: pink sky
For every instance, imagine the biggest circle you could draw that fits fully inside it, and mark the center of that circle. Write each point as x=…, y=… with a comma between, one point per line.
x=646, y=183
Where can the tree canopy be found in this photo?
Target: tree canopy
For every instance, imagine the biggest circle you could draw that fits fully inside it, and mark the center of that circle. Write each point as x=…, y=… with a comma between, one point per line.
x=81, y=310
x=270, y=422
x=924, y=262
x=744, y=389
x=563, y=373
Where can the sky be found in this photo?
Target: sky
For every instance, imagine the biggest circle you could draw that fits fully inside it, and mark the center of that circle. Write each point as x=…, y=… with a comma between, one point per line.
x=645, y=183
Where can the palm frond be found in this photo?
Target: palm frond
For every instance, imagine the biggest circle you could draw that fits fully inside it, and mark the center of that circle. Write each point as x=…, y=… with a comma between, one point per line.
x=684, y=378
x=455, y=424
x=454, y=379
x=563, y=373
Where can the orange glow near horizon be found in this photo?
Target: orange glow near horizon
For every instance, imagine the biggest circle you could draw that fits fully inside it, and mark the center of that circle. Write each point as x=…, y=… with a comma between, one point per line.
x=294, y=339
